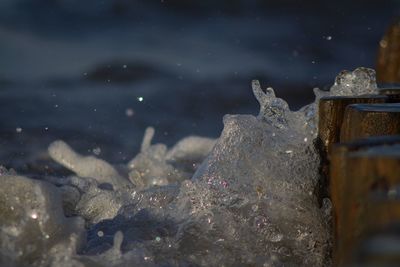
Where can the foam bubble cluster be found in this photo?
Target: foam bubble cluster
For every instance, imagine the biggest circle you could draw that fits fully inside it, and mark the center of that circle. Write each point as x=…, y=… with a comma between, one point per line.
x=358, y=82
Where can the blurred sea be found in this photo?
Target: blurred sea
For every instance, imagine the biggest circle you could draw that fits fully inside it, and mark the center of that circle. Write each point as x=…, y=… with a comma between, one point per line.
x=97, y=73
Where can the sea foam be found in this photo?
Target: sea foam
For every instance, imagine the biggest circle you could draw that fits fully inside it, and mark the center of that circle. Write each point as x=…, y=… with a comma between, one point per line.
x=249, y=198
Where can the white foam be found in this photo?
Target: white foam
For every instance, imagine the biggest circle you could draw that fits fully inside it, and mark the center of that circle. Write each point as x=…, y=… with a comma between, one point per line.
x=247, y=198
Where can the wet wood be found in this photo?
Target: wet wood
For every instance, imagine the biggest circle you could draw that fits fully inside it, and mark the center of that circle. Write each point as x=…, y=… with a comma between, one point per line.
x=388, y=61
x=393, y=94
x=338, y=179
x=382, y=210
x=331, y=113
x=379, y=248
x=365, y=171
x=365, y=120
x=382, y=230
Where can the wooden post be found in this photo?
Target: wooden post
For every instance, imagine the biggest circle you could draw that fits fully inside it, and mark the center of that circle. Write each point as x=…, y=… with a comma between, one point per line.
x=376, y=168
x=393, y=94
x=379, y=248
x=331, y=112
x=384, y=210
x=379, y=244
x=338, y=178
x=364, y=120
x=388, y=62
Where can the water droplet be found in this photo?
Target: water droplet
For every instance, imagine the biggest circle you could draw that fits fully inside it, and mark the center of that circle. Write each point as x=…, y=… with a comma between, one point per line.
x=34, y=215
x=224, y=183
x=129, y=112
x=383, y=43
x=276, y=238
x=96, y=151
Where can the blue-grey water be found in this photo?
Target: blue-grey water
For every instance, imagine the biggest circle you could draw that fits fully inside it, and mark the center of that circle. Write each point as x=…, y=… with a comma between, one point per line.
x=97, y=73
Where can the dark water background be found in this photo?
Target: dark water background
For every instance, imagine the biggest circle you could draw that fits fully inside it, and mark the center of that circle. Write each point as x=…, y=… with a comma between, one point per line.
x=97, y=73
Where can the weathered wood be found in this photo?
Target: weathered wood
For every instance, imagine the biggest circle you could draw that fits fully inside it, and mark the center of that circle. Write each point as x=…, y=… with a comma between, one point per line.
x=388, y=62
x=379, y=243
x=365, y=120
x=376, y=168
x=382, y=210
x=393, y=94
x=331, y=113
x=338, y=178
x=378, y=248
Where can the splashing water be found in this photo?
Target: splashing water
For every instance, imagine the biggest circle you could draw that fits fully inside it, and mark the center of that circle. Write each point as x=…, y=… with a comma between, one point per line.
x=357, y=82
x=246, y=199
